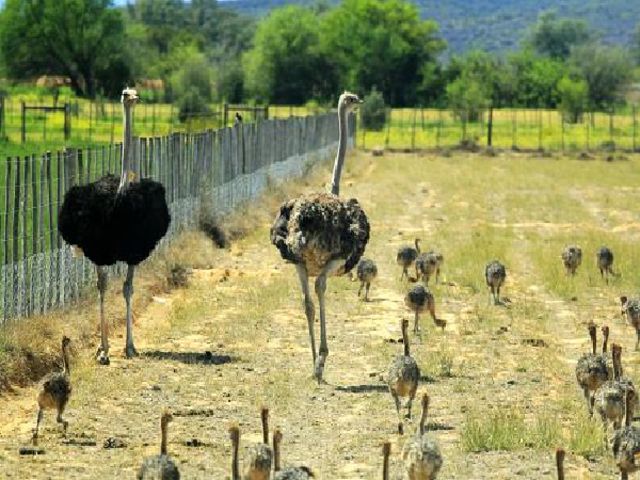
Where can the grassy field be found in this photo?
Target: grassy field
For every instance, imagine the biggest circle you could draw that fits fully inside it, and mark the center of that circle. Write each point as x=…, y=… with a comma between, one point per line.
x=501, y=379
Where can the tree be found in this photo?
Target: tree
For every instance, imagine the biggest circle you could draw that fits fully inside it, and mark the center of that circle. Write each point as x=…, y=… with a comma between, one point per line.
x=82, y=39
x=534, y=79
x=382, y=43
x=574, y=98
x=468, y=97
x=192, y=86
x=556, y=37
x=285, y=64
x=606, y=72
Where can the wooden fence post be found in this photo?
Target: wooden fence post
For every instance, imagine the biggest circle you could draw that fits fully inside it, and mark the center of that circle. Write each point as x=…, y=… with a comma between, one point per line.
x=490, y=128
x=23, y=130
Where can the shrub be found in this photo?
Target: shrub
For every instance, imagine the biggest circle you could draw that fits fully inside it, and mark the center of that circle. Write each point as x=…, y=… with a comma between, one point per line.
x=374, y=111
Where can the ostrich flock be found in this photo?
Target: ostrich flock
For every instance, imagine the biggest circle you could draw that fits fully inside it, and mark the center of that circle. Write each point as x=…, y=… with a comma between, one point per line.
x=123, y=219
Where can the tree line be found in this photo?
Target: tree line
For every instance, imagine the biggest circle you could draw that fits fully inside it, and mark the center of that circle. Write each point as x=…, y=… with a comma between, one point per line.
x=204, y=51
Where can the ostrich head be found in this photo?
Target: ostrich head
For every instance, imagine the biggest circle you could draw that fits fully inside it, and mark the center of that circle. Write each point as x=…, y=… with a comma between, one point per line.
x=129, y=97
x=349, y=100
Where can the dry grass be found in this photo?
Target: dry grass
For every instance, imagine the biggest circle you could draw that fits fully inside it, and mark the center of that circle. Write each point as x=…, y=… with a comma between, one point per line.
x=501, y=379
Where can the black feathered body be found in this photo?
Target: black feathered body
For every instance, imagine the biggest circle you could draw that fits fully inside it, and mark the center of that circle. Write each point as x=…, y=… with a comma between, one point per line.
x=406, y=256
x=159, y=467
x=110, y=227
x=319, y=228
x=419, y=299
x=626, y=448
x=141, y=218
x=571, y=258
x=294, y=473
x=604, y=258
x=56, y=390
x=495, y=274
x=367, y=270
x=85, y=219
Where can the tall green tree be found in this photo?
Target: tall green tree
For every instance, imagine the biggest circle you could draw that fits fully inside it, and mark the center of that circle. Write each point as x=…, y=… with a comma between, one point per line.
x=381, y=43
x=606, y=72
x=574, y=98
x=285, y=64
x=534, y=79
x=555, y=37
x=82, y=39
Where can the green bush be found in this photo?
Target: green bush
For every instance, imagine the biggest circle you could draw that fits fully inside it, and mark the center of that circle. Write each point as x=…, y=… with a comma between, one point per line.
x=374, y=111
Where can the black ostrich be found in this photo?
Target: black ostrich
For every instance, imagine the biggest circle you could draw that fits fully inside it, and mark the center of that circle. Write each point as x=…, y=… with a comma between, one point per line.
x=322, y=235
x=113, y=220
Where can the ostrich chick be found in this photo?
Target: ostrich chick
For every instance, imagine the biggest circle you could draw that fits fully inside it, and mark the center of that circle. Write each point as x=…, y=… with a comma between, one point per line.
x=495, y=274
x=560, y=463
x=421, y=454
x=610, y=397
x=604, y=260
x=289, y=473
x=160, y=467
x=626, y=443
x=419, y=299
x=260, y=455
x=427, y=264
x=571, y=258
x=631, y=309
x=403, y=376
x=367, y=271
x=406, y=256
x=55, y=392
x=591, y=371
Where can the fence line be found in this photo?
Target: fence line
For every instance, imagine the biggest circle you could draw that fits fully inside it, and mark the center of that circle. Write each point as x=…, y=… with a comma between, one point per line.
x=220, y=167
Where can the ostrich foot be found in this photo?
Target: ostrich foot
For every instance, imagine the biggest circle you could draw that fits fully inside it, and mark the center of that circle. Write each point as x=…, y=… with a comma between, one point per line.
x=319, y=369
x=102, y=357
x=130, y=351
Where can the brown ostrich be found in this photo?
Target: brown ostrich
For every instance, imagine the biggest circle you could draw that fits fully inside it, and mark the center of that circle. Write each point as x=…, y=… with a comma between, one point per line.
x=421, y=454
x=631, y=309
x=55, y=392
x=406, y=256
x=495, y=274
x=160, y=466
x=610, y=397
x=322, y=235
x=260, y=454
x=604, y=261
x=419, y=300
x=367, y=271
x=591, y=371
x=571, y=258
x=403, y=376
x=289, y=473
x=626, y=443
x=427, y=264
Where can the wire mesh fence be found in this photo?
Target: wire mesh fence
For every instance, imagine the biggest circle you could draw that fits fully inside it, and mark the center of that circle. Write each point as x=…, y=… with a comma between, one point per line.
x=220, y=167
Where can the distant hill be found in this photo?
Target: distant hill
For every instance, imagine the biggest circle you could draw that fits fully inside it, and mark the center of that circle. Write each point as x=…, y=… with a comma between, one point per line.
x=498, y=25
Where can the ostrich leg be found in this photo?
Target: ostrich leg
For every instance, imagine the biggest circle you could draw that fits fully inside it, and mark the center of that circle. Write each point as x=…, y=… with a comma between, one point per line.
x=34, y=438
x=127, y=291
x=309, y=308
x=103, y=350
x=323, y=352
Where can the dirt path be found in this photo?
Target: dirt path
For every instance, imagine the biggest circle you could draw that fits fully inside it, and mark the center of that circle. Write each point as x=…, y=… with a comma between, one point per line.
x=246, y=314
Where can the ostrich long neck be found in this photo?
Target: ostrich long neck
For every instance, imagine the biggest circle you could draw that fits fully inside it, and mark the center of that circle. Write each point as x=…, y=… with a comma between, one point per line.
x=126, y=146
x=163, y=432
x=405, y=340
x=265, y=426
x=276, y=453
x=342, y=149
x=423, y=418
x=235, y=469
x=65, y=360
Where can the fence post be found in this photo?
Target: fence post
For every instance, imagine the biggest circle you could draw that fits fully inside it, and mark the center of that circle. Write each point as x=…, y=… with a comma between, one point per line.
x=490, y=128
x=413, y=133
x=386, y=140
x=562, y=130
x=225, y=115
x=23, y=130
x=635, y=128
x=540, y=130
x=2, y=118
x=514, y=129
x=67, y=121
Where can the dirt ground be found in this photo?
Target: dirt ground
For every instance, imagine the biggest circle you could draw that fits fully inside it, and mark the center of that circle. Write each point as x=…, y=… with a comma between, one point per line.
x=246, y=312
